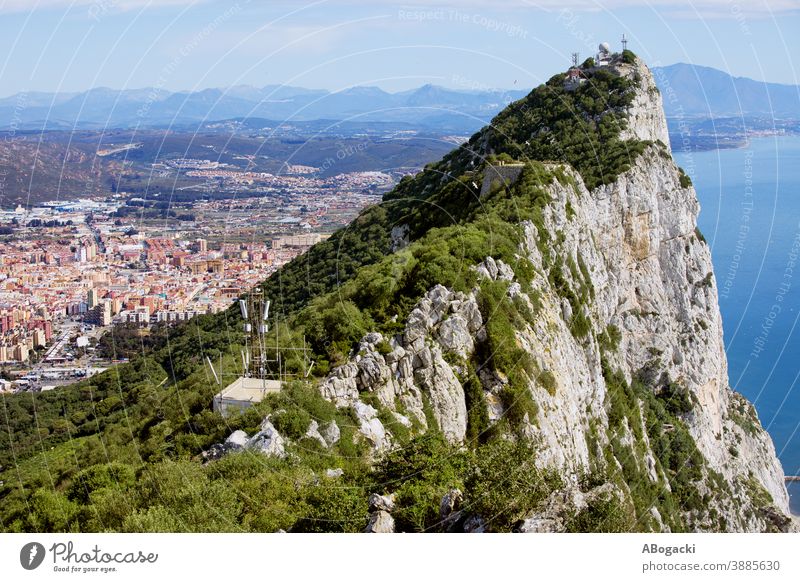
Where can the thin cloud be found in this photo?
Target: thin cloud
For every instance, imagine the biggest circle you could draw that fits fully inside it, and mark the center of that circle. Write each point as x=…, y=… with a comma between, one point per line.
x=695, y=7
x=685, y=8
x=594, y=5
x=104, y=6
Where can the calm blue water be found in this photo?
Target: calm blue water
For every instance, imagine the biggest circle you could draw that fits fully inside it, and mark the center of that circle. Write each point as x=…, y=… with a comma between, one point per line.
x=750, y=216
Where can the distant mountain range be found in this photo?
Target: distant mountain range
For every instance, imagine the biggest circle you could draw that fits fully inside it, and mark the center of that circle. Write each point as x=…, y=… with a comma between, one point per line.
x=429, y=106
x=693, y=90
x=688, y=90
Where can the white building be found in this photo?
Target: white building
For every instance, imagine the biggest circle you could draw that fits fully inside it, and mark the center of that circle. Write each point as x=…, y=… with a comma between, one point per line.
x=603, y=54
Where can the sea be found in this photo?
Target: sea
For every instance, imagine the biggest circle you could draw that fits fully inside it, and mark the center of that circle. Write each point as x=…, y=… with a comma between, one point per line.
x=750, y=216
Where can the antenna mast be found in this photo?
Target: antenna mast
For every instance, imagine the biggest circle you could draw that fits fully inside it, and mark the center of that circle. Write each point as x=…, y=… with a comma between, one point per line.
x=256, y=359
x=624, y=42
x=575, y=57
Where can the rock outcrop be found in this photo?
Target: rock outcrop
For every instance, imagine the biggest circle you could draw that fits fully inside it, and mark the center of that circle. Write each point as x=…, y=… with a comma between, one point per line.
x=266, y=441
x=646, y=120
x=380, y=514
x=443, y=324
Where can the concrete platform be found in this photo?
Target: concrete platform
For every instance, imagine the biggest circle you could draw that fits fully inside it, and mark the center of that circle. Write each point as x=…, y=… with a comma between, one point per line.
x=243, y=393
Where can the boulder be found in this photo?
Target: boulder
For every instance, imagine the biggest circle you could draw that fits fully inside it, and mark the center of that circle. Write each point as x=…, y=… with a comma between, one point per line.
x=504, y=272
x=474, y=524
x=313, y=433
x=268, y=441
x=340, y=391
x=331, y=433
x=446, y=396
x=454, y=336
x=217, y=451
x=372, y=371
x=487, y=268
x=370, y=425
x=381, y=503
x=380, y=522
x=451, y=502
x=238, y=439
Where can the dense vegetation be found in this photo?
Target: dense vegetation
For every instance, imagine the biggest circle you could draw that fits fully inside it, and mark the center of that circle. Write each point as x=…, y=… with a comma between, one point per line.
x=580, y=126
x=127, y=341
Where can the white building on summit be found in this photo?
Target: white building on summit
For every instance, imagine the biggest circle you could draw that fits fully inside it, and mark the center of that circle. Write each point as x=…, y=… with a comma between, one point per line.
x=603, y=54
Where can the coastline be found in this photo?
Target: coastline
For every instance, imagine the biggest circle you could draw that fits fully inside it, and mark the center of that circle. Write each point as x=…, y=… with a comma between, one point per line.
x=793, y=487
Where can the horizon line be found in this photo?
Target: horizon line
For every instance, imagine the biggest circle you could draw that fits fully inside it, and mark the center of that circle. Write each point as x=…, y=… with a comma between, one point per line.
x=470, y=87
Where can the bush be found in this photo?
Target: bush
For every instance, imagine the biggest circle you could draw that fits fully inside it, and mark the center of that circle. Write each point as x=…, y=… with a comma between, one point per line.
x=548, y=381
x=419, y=474
x=292, y=423
x=684, y=178
x=477, y=413
x=52, y=512
x=604, y=513
x=677, y=399
x=609, y=340
x=334, y=508
x=335, y=326
x=581, y=127
x=628, y=57
x=699, y=235
x=112, y=475
x=504, y=484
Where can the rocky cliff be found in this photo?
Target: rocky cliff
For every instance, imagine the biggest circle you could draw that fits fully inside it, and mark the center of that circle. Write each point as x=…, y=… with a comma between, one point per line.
x=619, y=339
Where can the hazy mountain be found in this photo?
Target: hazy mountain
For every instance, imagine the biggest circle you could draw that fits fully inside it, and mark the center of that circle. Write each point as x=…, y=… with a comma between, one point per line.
x=428, y=106
x=688, y=90
x=694, y=90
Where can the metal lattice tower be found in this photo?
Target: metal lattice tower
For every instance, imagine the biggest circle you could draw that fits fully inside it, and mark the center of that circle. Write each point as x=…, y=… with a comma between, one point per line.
x=255, y=313
x=256, y=360
x=575, y=57
x=624, y=42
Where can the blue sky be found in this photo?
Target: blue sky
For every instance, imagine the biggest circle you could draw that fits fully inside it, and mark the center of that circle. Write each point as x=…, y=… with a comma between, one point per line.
x=72, y=45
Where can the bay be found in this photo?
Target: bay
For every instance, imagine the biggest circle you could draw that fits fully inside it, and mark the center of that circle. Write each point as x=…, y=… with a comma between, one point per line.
x=750, y=216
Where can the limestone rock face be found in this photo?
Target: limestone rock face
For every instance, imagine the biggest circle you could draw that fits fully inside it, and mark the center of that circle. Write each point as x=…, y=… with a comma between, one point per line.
x=442, y=323
x=647, y=279
x=646, y=114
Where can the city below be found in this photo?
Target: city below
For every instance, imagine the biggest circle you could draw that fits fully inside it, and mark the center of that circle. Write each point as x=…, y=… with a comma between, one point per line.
x=75, y=272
